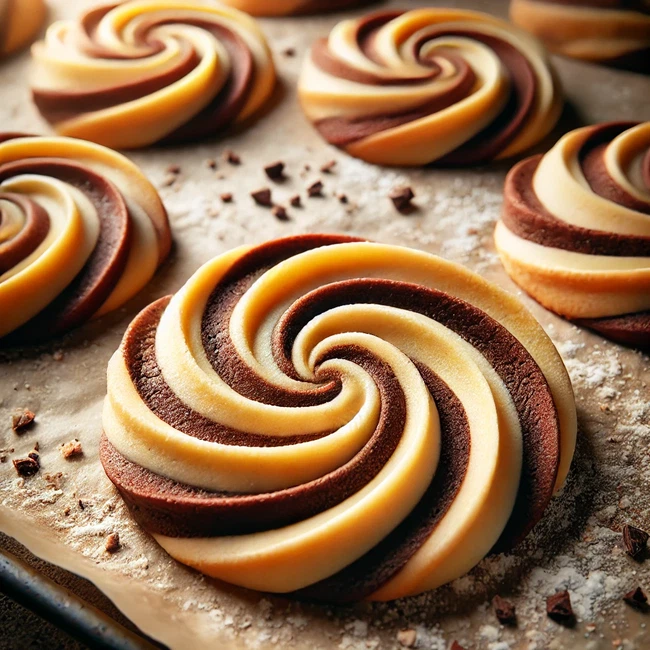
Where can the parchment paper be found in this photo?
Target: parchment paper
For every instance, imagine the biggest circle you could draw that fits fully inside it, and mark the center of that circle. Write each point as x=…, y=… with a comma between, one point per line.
x=577, y=545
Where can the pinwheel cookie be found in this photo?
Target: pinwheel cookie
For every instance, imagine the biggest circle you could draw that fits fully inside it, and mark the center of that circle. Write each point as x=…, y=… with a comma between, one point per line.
x=289, y=7
x=613, y=32
x=145, y=71
x=336, y=419
x=430, y=85
x=81, y=231
x=575, y=229
x=20, y=21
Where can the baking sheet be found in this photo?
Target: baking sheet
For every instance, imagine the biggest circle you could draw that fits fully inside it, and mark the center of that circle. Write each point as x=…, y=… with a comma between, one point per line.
x=577, y=545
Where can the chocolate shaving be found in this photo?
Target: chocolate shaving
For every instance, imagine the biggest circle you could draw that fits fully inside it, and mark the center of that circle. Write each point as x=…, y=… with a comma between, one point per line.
x=328, y=167
x=637, y=598
x=226, y=197
x=289, y=51
x=456, y=646
x=280, y=213
x=635, y=541
x=230, y=156
x=401, y=198
x=211, y=163
x=343, y=198
x=113, y=543
x=315, y=189
x=26, y=466
x=558, y=607
x=295, y=201
x=504, y=610
x=275, y=171
x=263, y=197
x=71, y=449
x=22, y=420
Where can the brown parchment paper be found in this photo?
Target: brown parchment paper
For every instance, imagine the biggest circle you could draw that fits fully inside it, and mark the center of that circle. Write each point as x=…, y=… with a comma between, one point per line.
x=577, y=545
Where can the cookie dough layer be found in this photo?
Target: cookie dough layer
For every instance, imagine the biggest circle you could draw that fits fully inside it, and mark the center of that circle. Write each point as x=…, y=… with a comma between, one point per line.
x=430, y=85
x=575, y=229
x=336, y=418
x=81, y=231
x=146, y=71
x=612, y=32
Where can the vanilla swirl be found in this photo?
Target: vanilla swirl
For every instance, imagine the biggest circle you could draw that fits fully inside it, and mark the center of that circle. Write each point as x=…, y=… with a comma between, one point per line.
x=575, y=229
x=145, y=71
x=291, y=7
x=611, y=32
x=81, y=231
x=20, y=21
x=443, y=85
x=336, y=418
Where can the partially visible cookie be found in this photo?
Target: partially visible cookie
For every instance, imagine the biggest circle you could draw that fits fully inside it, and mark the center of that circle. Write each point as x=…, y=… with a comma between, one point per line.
x=444, y=86
x=136, y=73
x=292, y=7
x=20, y=21
x=81, y=231
x=575, y=229
x=611, y=32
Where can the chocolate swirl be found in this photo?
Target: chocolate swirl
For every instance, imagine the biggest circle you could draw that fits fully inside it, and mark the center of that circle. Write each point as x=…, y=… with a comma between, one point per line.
x=20, y=21
x=430, y=85
x=81, y=231
x=575, y=229
x=131, y=74
x=611, y=32
x=292, y=7
x=336, y=418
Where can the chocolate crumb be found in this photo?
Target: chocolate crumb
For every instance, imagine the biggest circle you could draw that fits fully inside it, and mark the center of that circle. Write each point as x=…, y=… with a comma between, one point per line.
x=635, y=541
x=289, y=51
x=343, y=198
x=54, y=480
x=262, y=197
x=230, y=156
x=275, y=171
x=504, y=610
x=558, y=607
x=226, y=197
x=36, y=446
x=82, y=505
x=280, y=213
x=211, y=163
x=637, y=598
x=66, y=512
x=113, y=543
x=328, y=167
x=315, y=189
x=401, y=198
x=306, y=167
x=58, y=355
x=71, y=449
x=21, y=420
x=26, y=466
x=295, y=201
x=3, y=458
x=174, y=169
x=33, y=455
x=456, y=646
x=407, y=638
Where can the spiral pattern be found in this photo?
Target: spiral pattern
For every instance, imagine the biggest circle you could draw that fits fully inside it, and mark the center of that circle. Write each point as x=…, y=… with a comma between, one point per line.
x=443, y=85
x=81, y=231
x=611, y=32
x=336, y=418
x=575, y=229
x=290, y=7
x=20, y=21
x=144, y=71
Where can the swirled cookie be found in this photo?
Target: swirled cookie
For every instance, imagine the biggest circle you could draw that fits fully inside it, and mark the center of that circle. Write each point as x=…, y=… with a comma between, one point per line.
x=81, y=231
x=145, y=71
x=613, y=32
x=336, y=418
x=20, y=21
x=289, y=7
x=575, y=229
x=430, y=85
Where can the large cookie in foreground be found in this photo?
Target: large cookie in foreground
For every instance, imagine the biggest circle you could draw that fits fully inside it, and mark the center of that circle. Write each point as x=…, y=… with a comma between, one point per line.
x=136, y=73
x=611, y=32
x=575, y=229
x=82, y=230
x=448, y=86
x=336, y=419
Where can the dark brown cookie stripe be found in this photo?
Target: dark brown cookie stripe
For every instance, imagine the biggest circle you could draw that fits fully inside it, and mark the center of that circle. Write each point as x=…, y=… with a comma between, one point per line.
x=575, y=229
x=193, y=70
x=73, y=244
x=466, y=88
x=265, y=442
x=611, y=32
x=292, y=7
